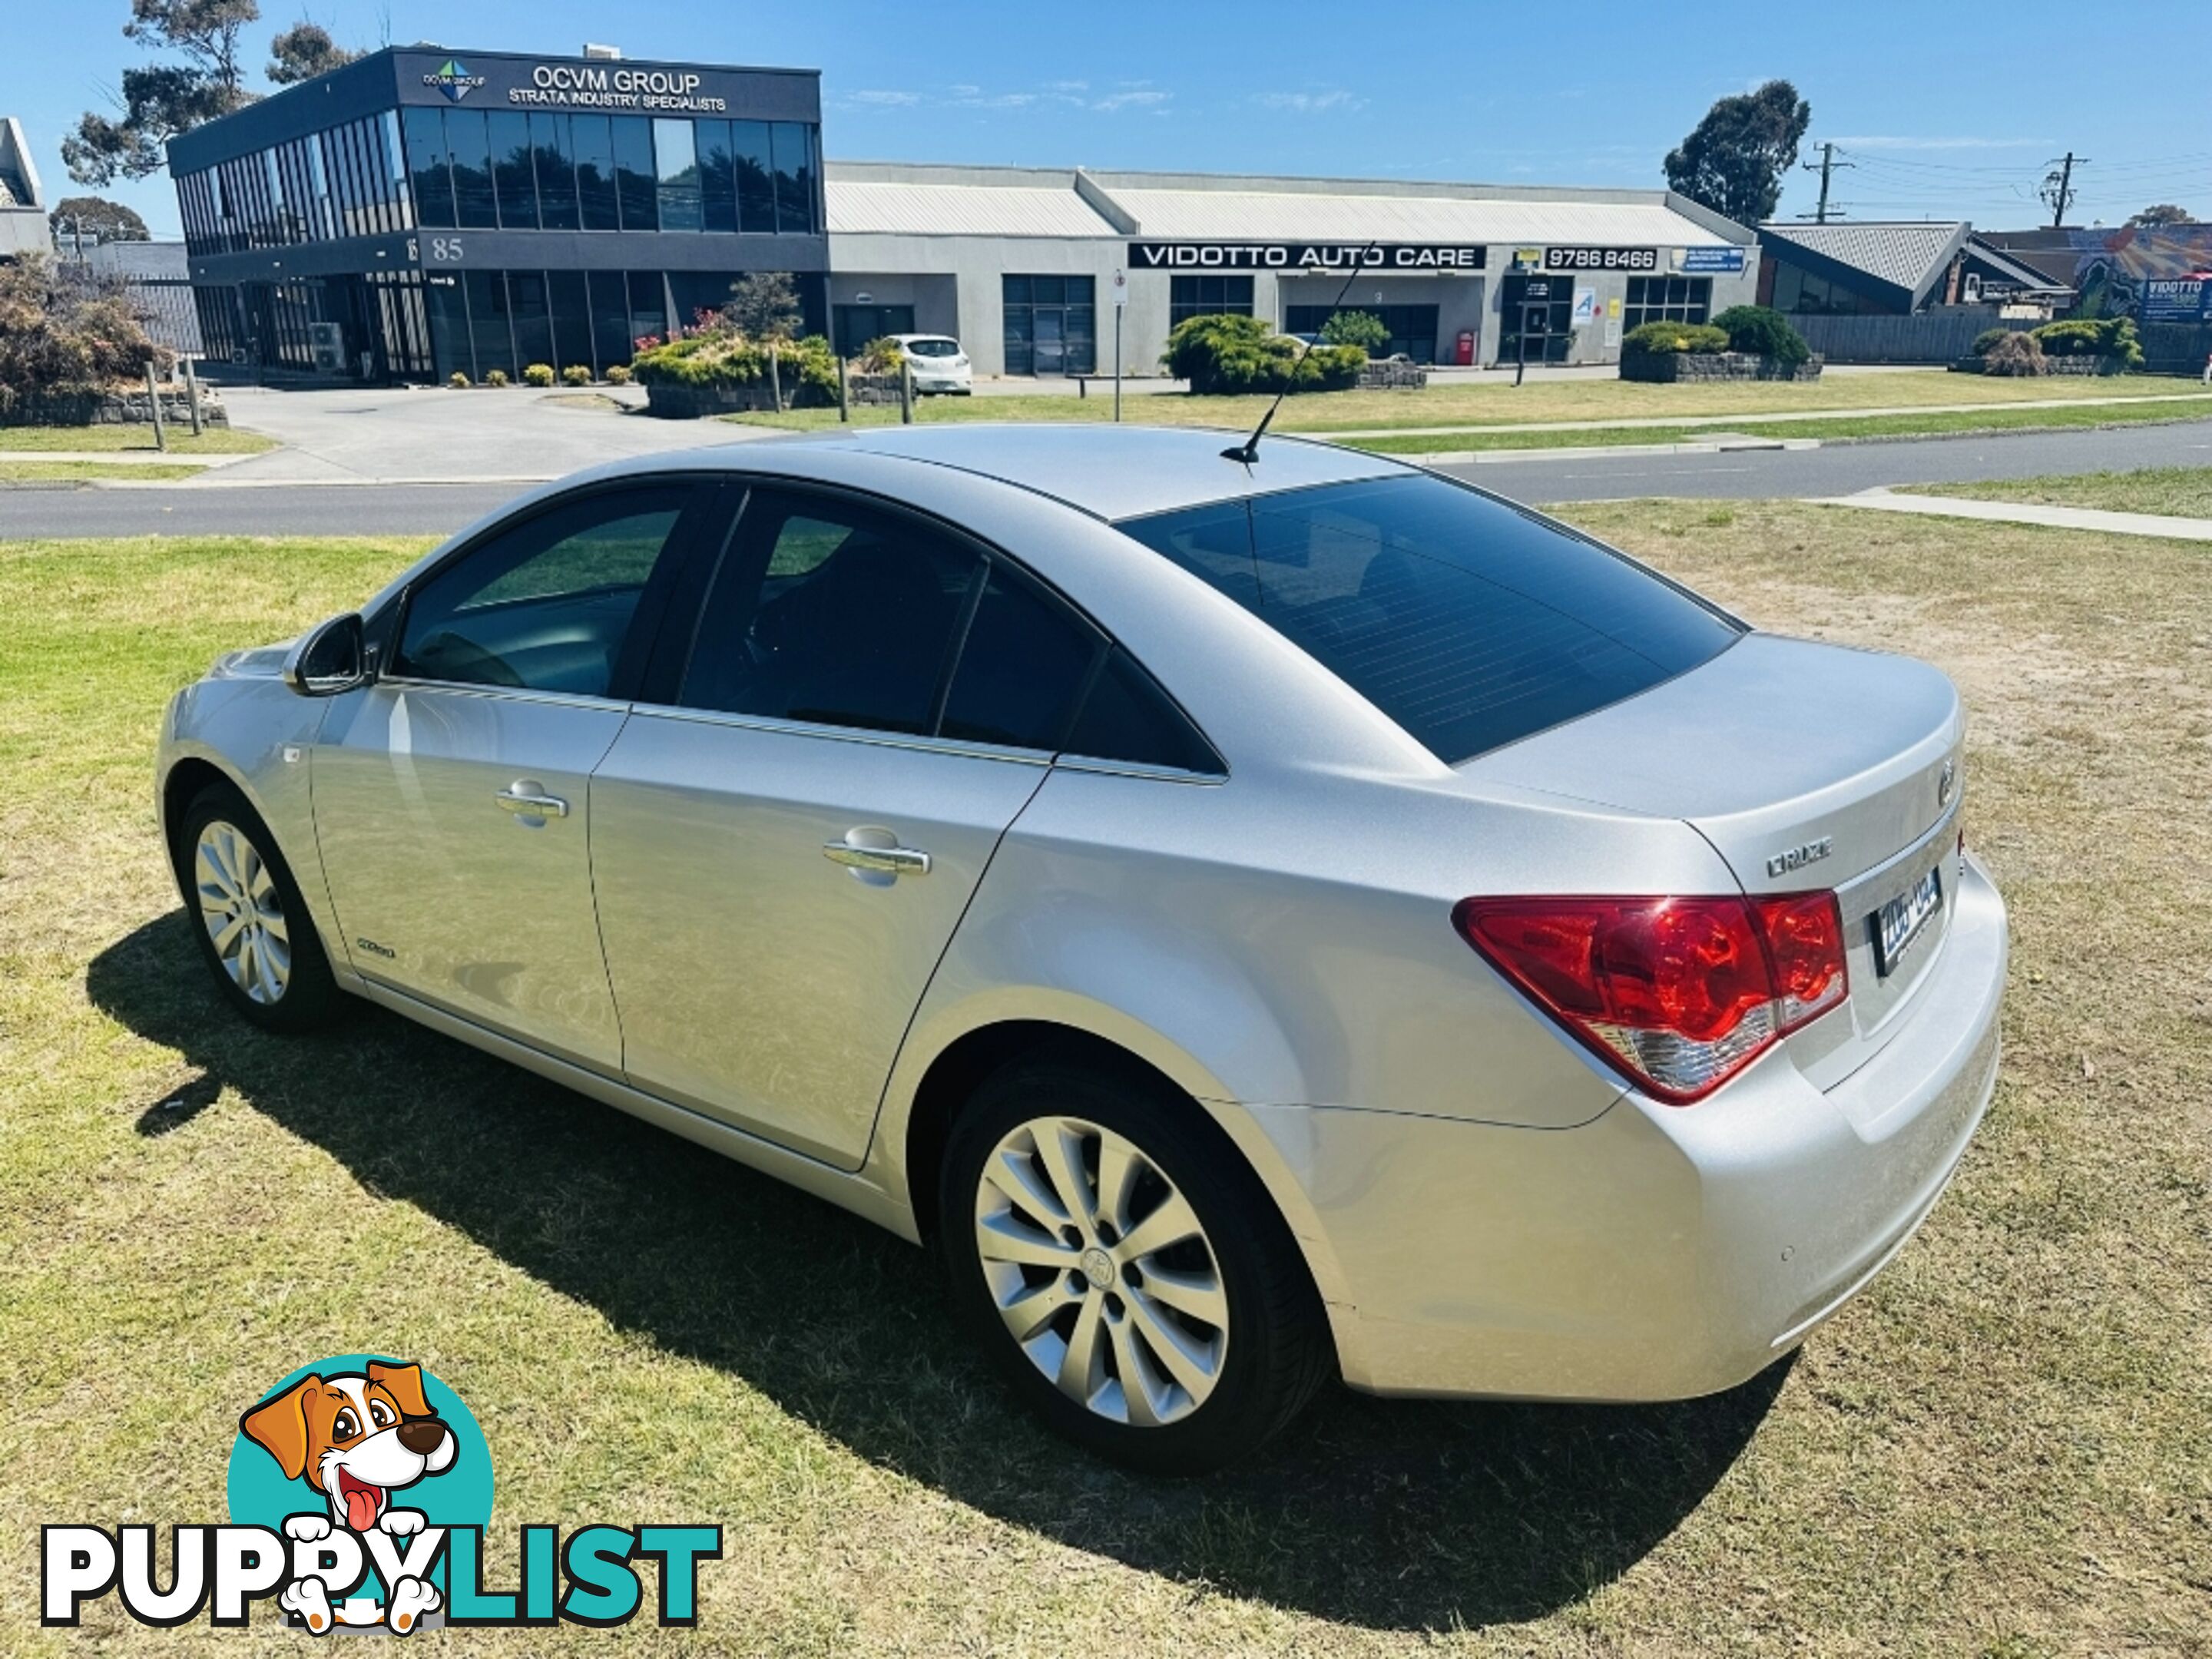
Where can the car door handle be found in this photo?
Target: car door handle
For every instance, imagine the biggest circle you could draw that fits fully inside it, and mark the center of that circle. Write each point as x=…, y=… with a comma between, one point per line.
x=525, y=800
x=887, y=860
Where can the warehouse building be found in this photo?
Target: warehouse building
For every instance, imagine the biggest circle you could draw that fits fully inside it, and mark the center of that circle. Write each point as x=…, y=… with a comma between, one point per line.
x=1023, y=265
x=424, y=212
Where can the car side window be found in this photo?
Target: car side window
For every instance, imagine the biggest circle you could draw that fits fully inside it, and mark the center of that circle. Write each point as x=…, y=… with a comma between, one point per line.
x=1128, y=717
x=833, y=613
x=1022, y=666
x=547, y=605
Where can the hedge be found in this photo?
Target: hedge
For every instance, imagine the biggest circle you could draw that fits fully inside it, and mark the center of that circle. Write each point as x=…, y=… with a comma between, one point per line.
x=1229, y=354
x=1763, y=332
x=2093, y=336
x=806, y=369
x=1673, y=339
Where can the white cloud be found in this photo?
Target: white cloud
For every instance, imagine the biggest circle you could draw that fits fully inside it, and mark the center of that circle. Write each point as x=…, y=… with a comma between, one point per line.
x=1309, y=103
x=1893, y=140
x=883, y=100
x=1142, y=100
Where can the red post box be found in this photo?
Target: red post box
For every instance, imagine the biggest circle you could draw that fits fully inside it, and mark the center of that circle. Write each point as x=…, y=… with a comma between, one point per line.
x=1463, y=352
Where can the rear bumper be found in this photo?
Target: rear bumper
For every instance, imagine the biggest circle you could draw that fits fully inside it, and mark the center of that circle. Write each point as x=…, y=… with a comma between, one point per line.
x=1658, y=1252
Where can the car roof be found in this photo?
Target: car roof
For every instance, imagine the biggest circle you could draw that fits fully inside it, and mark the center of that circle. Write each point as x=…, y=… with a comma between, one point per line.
x=1115, y=471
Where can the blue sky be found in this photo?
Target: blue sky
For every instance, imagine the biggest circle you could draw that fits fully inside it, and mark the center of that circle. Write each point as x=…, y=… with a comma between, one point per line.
x=1946, y=111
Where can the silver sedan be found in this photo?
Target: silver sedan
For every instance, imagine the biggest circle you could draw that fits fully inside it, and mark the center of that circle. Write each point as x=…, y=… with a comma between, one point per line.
x=1258, y=921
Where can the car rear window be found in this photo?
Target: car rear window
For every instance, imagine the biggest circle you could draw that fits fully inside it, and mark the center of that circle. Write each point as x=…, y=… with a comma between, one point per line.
x=1468, y=622
x=933, y=348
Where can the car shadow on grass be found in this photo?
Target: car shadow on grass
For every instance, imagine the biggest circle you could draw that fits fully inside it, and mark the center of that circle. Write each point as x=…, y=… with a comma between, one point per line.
x=1394, y=1514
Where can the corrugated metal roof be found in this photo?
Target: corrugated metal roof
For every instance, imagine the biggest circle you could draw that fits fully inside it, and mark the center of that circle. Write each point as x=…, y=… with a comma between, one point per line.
x=1289, y=215
x=1906, y=254
x=915, y=210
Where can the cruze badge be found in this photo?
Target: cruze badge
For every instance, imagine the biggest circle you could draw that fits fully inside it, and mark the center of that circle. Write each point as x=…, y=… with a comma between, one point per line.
x=1797, y=857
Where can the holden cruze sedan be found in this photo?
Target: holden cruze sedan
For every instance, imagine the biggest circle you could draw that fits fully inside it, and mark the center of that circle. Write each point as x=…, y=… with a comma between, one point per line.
x=1258, y=920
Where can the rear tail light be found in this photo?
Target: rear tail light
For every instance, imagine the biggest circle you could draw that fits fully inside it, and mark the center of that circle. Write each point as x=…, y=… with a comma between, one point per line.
x=1679, y=994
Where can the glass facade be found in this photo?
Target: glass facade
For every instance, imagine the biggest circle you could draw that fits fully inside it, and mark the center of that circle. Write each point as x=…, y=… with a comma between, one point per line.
x=347, y=180
x=1666, y=300
x=431, y=168
x=476, y=169
x=1051, y=325
x=1207, y=296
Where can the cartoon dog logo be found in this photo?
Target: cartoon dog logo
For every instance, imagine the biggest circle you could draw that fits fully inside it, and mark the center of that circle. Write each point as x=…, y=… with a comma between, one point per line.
x=356, y=1438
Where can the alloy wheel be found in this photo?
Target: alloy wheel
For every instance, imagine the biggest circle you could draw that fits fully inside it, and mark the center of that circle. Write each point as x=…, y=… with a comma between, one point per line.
x=242, y=913
x=1102, y=1271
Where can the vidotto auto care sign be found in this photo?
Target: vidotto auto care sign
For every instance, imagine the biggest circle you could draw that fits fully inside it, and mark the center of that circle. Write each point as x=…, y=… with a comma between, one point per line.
x=1294, y=257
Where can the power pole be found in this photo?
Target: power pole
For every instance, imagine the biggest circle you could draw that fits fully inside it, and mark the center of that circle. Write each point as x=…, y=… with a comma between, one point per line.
x=1828, y=165
x=2058, y=187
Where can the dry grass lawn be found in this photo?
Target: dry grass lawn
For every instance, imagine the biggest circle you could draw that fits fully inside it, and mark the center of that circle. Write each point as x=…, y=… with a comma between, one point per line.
x=2183, y=491
x=2004, y=1449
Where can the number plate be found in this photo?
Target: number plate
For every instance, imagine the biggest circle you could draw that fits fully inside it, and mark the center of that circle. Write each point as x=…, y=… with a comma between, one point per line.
x=1899, y=922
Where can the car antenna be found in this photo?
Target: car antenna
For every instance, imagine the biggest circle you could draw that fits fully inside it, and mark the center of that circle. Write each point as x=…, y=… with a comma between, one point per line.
x=1248, y=451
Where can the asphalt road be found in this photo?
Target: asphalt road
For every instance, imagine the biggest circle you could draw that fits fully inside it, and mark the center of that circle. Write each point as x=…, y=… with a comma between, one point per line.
x=1835, y=470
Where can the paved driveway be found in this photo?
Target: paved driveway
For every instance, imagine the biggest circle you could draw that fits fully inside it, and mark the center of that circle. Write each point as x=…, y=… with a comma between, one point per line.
x=513, y=435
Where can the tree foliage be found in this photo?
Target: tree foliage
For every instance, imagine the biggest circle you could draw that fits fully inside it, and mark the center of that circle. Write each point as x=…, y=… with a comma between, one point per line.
x=303, y=51
x=1363, y=329
x=98, y=218
x=60, y=333
x=764, y=305
x=1734, y=160
x=2159, y=214
x=164, y=98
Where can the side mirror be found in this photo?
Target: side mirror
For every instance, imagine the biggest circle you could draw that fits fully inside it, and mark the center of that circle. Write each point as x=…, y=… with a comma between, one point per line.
x=328, y=658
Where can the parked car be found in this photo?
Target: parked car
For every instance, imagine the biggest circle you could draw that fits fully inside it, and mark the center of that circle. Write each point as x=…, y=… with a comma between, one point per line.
x=940, y=364
x=1257, y=922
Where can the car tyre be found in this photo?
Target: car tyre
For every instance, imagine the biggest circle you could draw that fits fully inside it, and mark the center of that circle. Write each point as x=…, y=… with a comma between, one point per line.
x=244, y=908
x=1070, y=1308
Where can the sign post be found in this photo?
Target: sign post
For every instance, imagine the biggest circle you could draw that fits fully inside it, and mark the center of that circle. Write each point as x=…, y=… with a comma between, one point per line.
x=1121, y=304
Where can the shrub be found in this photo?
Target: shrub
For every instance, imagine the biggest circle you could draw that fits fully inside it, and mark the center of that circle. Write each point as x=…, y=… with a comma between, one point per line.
x=2093, y=336
x=63, y=332
x=722, y=356
x=1764, y=333
x=1988, y=337
x=619, y=374
x=1673, y=339
x=537, y=375
x=1229, y=354
x=496, y=377
x=458, y=382
x=881, y=355
x=575, y=374
x=2015, y=354
x=1363, y=329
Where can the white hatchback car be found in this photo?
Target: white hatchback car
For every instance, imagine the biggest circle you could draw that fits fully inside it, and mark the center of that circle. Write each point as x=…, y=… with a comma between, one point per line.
x=940, y=364
x=1260, y=920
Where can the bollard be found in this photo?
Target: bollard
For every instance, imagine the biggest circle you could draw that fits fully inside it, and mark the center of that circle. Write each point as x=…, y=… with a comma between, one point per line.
x=154, y=397
x=193, y=396
x=906, y=390
x=843, y=413
x=775, y=379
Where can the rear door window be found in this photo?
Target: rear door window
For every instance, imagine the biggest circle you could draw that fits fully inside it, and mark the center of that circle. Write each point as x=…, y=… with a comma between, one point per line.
x=1469, y=623
x=833, y=613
